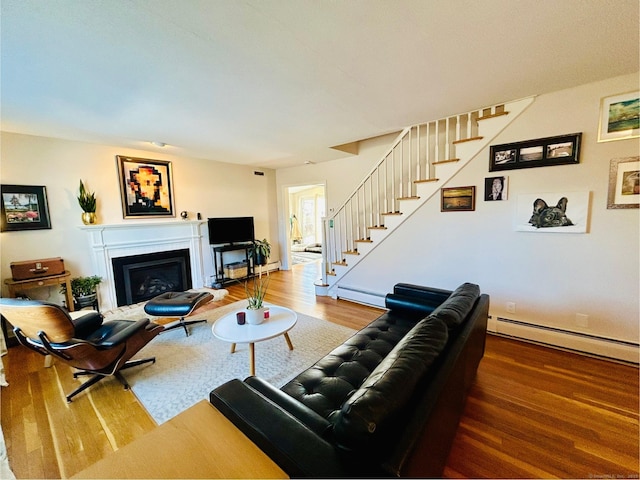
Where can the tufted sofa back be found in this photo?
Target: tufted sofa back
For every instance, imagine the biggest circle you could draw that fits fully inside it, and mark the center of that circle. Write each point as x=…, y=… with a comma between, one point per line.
x=326, y=385
x=362, y=386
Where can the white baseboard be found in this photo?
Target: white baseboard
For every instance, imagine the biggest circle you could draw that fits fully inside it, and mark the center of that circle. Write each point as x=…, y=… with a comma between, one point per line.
x=576, y=341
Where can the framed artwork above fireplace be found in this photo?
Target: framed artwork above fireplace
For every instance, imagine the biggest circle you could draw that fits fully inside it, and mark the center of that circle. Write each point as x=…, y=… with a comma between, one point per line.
x=146, y=187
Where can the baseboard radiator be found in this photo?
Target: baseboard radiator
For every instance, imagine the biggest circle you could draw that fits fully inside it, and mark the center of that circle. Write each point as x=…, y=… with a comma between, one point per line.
x=358, y=295
x=576, y=341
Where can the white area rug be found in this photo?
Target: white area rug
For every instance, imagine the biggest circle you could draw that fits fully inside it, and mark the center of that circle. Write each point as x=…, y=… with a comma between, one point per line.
x=188, y=368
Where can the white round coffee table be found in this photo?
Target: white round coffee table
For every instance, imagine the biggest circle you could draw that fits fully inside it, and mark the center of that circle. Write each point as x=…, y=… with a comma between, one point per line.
x=280, y=321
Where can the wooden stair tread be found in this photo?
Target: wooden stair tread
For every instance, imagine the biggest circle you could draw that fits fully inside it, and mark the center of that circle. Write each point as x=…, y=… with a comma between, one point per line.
x=493, y=115
x=364, y=240
x=377, y=227
x=343, y=263
x=391, y=213
x=351, y=252
x=471, y=139
x=451, y=160
x=426, y=180
x=409, y=198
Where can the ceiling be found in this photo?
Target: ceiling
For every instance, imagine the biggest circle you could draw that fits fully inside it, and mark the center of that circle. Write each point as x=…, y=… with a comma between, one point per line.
x=275, y=83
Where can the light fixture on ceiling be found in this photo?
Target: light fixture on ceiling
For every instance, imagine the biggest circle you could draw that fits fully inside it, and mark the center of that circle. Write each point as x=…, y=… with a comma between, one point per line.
x=158, y=144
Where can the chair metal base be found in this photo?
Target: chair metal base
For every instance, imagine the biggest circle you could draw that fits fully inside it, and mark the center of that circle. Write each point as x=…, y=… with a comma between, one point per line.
x=97, y=376
x=182, y=323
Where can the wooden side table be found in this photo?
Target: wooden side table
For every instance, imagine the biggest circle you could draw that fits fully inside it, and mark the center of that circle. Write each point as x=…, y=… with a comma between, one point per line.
x=16, y=286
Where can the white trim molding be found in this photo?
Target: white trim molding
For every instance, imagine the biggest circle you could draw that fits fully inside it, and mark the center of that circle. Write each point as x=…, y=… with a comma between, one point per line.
x=126, y=239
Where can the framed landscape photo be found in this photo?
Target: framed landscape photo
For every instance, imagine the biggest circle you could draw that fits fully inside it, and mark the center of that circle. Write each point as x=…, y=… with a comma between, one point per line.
x=542, y=152
x=458, y=199
x=624, y=183
x=24, y=207
x=619, y=117
x=146, y=187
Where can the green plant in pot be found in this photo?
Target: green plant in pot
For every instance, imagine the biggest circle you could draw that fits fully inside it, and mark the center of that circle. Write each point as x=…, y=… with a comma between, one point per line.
x=83, y=290
x=256, y=287
x=87, y=202
x=260, y=251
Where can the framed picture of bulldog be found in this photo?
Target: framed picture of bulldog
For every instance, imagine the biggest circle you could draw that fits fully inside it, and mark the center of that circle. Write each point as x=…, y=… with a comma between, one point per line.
x=554, y=212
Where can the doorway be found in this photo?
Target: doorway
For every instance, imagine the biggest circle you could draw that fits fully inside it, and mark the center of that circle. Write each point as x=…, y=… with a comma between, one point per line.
x=307, y=207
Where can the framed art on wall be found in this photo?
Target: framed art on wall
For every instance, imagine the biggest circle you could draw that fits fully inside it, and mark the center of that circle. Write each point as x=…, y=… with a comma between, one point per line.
x=541, y=152
x=557, y=212
x=458, y=199
x=495, y=188
x=624, y=183
x=619, y=117
x=146, y=187
x=24, y=207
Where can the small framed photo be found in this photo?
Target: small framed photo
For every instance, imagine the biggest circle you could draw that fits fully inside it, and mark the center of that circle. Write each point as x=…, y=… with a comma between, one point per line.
x=541, y=152
x=619, y=117
x=458, y=199
x=495, y=188
x=624, y=183
x=24, y=207
x=146, y=187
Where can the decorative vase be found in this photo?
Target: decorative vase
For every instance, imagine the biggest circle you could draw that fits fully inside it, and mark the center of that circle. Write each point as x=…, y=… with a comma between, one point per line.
x=255, y=316
x=89, y=218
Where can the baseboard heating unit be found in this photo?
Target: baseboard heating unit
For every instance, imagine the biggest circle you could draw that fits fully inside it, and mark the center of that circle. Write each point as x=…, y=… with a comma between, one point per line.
x=357, y=295
x=570, y=340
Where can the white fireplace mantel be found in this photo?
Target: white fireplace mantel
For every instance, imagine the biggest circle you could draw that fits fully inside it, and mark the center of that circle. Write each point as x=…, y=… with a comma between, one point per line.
x=124, y=239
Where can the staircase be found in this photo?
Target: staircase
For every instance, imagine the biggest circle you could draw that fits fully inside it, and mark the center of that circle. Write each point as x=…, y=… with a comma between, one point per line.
x=421, y=160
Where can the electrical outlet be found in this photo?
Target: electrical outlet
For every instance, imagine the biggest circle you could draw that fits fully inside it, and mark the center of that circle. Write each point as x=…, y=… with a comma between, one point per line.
x=511, y=307
x=582, y=320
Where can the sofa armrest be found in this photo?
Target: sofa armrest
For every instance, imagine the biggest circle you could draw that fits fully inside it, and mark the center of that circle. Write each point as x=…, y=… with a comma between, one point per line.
x=428, y=295
x=292, y=445
x=310, y=418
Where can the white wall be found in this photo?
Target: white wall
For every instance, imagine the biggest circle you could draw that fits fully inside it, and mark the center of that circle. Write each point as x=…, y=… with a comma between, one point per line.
x=550, y=277
x=211, y=188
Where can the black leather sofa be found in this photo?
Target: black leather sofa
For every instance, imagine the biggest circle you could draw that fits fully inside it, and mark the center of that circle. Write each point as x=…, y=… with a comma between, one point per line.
x=385, y=403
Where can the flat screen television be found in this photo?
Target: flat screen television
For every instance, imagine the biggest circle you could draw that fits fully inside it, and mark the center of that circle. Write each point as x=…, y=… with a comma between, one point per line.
x=230, y=230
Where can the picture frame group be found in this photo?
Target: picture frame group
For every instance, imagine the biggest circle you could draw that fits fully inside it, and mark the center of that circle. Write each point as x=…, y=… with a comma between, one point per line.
x=541, y=152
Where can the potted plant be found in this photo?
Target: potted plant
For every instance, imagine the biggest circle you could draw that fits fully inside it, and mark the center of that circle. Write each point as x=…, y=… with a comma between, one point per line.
x=260, y=252
x=83, y=290
x=87, y=202
x=256, y=287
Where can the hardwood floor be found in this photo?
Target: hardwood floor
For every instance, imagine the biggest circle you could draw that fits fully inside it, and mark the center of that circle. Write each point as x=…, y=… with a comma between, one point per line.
x=533, y=412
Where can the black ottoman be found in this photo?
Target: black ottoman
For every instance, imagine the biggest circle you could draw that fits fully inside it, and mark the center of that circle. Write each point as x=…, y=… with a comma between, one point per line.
x=177, y=304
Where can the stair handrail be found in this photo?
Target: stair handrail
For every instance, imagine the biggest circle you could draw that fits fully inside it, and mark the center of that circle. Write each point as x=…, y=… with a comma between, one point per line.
x=361, y=187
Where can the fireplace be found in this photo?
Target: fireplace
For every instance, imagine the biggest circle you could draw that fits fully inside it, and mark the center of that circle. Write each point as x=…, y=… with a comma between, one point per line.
x=138, y=278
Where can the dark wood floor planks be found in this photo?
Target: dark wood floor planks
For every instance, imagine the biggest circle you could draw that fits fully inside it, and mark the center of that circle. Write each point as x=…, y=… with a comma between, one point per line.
x=534, y=412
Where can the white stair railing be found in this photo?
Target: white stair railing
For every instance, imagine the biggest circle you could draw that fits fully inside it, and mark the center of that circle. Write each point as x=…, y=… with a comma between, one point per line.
x=411, y=159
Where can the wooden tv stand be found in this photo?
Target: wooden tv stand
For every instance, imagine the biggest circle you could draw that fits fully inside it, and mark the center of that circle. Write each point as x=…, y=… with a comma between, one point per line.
x=198, y=443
